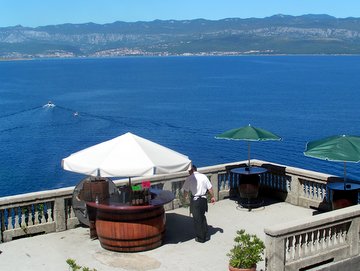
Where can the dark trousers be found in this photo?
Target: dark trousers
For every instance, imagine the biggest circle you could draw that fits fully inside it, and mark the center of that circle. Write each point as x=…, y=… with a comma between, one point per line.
x=198, y=208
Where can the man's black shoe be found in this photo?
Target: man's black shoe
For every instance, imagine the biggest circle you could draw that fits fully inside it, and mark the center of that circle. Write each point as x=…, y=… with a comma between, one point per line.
x=199, y=240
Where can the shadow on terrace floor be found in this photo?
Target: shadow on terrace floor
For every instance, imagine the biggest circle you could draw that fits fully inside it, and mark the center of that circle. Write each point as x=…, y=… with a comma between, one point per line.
x=180, y=228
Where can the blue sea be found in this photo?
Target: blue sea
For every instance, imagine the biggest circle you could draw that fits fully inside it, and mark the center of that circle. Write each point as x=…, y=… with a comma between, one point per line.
x=179, y=102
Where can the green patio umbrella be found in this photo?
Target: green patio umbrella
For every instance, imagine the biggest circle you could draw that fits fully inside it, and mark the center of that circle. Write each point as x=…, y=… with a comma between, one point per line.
x=340, y=148
x=248, y=133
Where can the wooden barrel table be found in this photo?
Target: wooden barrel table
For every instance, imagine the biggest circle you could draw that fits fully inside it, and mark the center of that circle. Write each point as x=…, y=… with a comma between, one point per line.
x=125, y=228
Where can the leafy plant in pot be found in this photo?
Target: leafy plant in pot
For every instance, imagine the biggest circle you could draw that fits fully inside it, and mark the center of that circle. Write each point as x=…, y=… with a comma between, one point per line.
x=247, y=251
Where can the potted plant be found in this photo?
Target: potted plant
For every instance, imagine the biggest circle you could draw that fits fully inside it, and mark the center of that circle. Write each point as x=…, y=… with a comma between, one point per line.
x=247, y=251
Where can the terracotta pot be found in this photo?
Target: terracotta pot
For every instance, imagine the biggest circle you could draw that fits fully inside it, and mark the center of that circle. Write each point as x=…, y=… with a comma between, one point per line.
x=242, y=269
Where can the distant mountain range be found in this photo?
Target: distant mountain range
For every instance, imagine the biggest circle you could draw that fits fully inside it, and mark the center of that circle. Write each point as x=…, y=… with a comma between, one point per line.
x=278, y=34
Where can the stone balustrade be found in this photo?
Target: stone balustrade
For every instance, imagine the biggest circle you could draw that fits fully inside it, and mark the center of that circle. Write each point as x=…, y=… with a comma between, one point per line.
x=320, y=240
x=316, y=243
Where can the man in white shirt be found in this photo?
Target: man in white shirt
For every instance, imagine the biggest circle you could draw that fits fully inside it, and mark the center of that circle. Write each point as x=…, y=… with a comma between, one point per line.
x=198, y=185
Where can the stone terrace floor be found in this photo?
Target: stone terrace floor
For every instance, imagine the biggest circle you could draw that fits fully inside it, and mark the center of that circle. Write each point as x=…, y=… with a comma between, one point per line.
x=179, y=251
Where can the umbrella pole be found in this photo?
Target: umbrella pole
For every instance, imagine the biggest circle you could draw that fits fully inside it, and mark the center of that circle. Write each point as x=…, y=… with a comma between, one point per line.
x=130, y=190
x=98, y=175
x=344, y=175
x=248, y=154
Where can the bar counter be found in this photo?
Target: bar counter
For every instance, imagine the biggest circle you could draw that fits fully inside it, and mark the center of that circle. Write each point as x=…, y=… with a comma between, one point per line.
x=126, y=228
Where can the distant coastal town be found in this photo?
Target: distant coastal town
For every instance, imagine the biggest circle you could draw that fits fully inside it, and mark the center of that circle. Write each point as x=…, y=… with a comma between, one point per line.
x=123, y=52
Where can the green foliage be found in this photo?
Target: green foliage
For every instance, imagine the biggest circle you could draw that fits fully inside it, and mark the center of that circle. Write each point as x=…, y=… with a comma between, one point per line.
x=72, y=264
x=74, y=267
x=40, y=209
x=24, y=228
x=247, y=251
x=183, y=200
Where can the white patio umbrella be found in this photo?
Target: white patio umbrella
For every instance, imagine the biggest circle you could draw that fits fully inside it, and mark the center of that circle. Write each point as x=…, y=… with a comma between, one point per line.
x=127, y=155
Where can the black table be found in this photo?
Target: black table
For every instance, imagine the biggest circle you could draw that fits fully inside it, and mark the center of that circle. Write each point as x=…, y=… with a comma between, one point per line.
x=249, y=170
x=343, y=195
x=248, y=185
x=339, y=186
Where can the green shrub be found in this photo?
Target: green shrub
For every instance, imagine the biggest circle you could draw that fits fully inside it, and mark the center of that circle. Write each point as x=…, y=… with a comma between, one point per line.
x=247, y=250
x=74, y=267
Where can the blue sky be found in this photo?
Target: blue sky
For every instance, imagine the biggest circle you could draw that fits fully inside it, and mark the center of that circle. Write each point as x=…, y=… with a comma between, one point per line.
x=46, y=12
